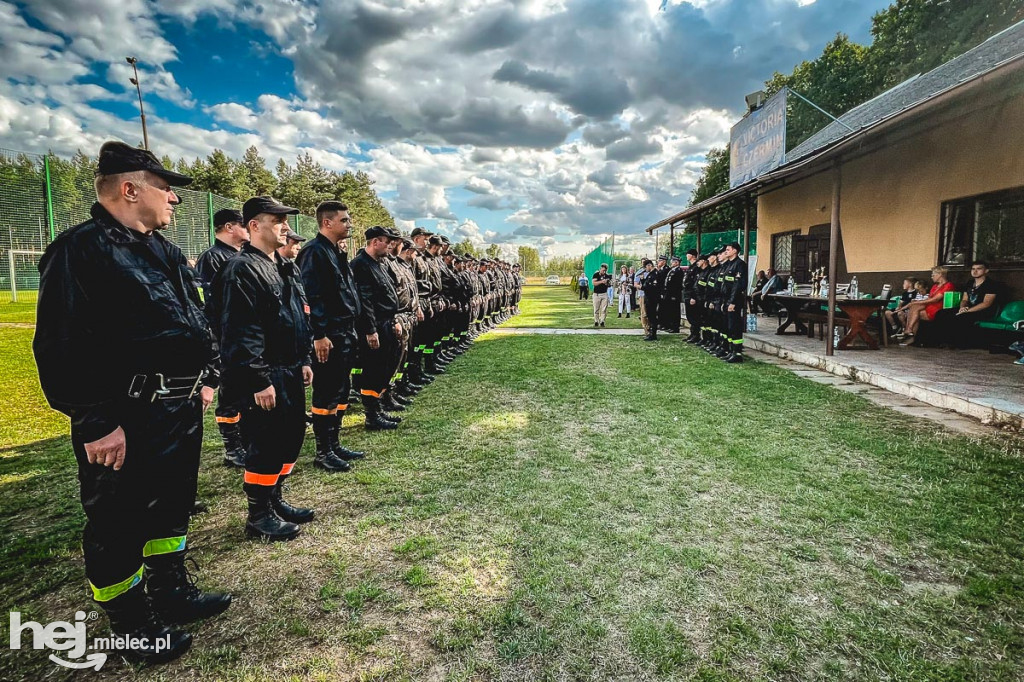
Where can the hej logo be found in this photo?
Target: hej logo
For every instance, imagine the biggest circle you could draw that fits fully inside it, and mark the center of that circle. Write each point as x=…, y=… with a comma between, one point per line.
x=59, y=636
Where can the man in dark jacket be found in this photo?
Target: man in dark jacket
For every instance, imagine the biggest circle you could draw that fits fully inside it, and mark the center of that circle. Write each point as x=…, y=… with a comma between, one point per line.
x=230, y=234
x=672, y=297
x=121, y=344
x=265, y=345
x=734, y=301
x=333, y=309
x=651, y=287
x=379, y=332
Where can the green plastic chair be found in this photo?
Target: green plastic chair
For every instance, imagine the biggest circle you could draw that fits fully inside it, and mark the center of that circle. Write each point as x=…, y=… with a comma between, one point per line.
x=1011, y=312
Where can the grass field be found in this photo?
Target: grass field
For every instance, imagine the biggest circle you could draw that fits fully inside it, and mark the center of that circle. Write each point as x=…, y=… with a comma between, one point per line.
x=581, y=508
x=557, y=306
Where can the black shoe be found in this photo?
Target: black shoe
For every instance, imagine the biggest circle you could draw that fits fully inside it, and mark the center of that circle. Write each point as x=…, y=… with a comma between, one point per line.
x=347, y=455
x=263, y=522
x=354, y=397
x=331, y=462
x=389, y=405
x=377, y=419
x=401, y=396
x=651, y=337
x=173, y=593
x=734, y=358
x=198, y=508
x=390, y=417
x=620, y=314
x=627, y=316
x=133, y=619
x=286, y=511
x=234, y=448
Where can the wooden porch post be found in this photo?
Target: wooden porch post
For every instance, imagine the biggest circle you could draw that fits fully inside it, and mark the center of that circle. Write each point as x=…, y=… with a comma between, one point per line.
x=671, y=239
x=746, y=228
x=833, y=256
x=698, y=234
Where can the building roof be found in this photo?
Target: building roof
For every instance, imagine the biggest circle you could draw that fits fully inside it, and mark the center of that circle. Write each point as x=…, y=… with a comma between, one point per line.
x=1000, y=50
x=1004, y=45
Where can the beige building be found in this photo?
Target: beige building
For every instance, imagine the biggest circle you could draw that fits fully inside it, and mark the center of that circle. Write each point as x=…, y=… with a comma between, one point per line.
x=930, y=172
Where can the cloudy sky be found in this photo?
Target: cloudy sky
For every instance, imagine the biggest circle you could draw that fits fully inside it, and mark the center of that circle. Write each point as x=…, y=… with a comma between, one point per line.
x=551, y=123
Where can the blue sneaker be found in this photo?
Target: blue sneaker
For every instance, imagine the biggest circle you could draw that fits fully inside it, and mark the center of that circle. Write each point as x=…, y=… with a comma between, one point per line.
x=1019, y=361
x=1017, y=347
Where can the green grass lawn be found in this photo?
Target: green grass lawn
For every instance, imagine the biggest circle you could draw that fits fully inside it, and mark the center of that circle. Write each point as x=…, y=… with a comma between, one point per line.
x=551, y=306
x=22, y=312
x=585, y=508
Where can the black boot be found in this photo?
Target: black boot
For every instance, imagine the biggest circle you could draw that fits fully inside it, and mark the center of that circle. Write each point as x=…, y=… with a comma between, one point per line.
x=375, y=419
x=263, y=522
x=132, y=618
x=734, y=358
x=286, y=511
x=400, y=395
x=234, y=450
x=198, y=508
x=326, y=459
x=173, y=593
x=340, y=452
x=389, y=404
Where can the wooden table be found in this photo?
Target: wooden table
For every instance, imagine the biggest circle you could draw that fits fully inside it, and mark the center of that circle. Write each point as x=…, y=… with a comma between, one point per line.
x=855, y=314
x=793, y=305
x=859, y=310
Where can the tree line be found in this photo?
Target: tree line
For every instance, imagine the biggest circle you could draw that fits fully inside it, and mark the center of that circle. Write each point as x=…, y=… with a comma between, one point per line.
x=908, y=37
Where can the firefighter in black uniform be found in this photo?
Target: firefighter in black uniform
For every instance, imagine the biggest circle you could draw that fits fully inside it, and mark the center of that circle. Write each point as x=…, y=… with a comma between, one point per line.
x=734, y=301
x=691, y=294
x=716, y=339
x=378, y=330
x=404, y=282
x=122, y=344
x=672, y=297
x=230, y=236
x=333, y=309
x=265, y=345
x=651, y=286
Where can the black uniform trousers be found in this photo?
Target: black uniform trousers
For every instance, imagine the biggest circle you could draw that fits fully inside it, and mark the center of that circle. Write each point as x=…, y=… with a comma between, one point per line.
x=276, y=435
x=332, y=380
x=693, y=314
x=142, y=510
x=734, y=326
x=668, y=314
x=379, y=363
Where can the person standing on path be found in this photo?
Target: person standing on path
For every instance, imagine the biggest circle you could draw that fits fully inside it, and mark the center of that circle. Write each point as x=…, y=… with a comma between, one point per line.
x=584, y=286
x=602, y=280
x=625, y=285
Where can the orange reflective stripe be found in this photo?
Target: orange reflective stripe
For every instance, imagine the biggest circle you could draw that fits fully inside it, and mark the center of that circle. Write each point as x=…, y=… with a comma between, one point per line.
x=368, y=392
x=261, y=479
x=323, y=412
x=229, y=420
x=287, y=469
x=342, y=408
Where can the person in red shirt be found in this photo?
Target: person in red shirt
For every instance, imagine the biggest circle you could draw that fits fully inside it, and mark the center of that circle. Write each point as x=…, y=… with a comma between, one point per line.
x=926, y=309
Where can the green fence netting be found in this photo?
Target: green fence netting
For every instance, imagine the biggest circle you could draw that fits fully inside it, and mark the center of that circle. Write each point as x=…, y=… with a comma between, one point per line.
x=603, y=254
x=712, y=240
x=41, y=196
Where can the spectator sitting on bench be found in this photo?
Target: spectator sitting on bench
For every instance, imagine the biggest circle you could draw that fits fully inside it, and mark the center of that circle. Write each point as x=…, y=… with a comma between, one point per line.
x=897, y=319
x=772, y=284
x=925, y=310
x=955, y=326
x=762, y=279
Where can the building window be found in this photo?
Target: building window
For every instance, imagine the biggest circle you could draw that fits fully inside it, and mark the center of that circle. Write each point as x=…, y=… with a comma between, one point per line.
x=782, y=251
x=989, y=227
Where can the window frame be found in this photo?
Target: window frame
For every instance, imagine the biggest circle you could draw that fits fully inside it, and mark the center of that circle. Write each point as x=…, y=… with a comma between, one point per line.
x=970, y=204
x=776, y=236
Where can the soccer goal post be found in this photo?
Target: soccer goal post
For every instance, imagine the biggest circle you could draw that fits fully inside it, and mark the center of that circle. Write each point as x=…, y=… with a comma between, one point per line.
x=30, y=279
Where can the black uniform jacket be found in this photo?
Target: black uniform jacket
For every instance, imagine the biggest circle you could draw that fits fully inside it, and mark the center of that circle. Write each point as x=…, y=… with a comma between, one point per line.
x=377, y=293
x=212, y=260
x=114, y=303
x=651, y=286
x=329, y=286
x=674, y=284
x=263, y=325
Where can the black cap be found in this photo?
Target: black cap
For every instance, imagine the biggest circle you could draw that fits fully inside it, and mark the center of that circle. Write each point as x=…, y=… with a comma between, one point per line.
x=407, y=243
x=692, y=252
x=435, y=240
x=677, y=259
x=734, y=245
x=417, y=231
x=663, y=257
x=295, y=236
x=225, y=216
x=264, y=204
x=118, y=157
x=646, y=262
x=379, y=231
x=702, y=256
x=445, y=240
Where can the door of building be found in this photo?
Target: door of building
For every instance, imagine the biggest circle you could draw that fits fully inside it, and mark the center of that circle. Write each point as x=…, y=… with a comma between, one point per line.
x=810, y=252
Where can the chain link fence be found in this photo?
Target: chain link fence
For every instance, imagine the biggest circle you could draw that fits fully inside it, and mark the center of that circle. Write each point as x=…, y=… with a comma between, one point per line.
x=41, y=196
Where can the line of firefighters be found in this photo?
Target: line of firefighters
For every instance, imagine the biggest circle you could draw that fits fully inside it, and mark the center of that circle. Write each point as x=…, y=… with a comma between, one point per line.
x=712, y=290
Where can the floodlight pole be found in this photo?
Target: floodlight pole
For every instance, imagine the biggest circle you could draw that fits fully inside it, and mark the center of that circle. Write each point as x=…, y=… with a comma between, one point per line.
x=138, y=88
